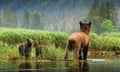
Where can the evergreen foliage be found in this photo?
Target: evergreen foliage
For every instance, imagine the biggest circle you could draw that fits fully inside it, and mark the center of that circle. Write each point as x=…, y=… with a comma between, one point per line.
x=101, y=11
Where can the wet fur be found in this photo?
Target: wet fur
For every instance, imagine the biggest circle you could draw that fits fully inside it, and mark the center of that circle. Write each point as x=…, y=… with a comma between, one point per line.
x=25, y=48
x=79, y=41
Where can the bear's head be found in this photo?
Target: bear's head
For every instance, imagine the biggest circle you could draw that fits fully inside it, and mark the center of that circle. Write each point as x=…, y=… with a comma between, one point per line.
x=30, y=42
x=85, y=27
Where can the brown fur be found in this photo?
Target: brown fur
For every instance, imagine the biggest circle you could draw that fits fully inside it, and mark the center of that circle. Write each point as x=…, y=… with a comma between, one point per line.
x=25, y=48
x=38, y=50
x=79, y=41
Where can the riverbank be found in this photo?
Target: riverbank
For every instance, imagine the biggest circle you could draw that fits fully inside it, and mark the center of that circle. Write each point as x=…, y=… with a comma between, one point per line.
x=55, y=41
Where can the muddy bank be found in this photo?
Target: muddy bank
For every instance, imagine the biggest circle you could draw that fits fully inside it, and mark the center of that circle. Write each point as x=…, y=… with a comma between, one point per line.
x=91, y=54
x=97, y=53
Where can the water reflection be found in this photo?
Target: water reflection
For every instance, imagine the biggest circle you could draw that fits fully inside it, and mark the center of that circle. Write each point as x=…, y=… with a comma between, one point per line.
x=25, y=67
x=54, y=66
x=78, y=67
x=38, y=67
x=61, y=66
x=83, y=67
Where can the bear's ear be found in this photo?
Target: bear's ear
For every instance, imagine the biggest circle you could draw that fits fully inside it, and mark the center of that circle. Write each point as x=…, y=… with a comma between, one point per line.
x=89, y=23
x=81, y=24
x=27, y=40
x=33, y=38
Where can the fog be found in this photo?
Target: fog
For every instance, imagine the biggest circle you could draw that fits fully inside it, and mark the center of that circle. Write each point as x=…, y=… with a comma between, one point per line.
x=52, y=15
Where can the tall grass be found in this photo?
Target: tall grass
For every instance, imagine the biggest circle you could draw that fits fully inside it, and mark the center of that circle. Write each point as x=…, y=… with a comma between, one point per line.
x=56, y=42
x=104, y=42
x=112, y=34
x=11, y=38
x=6, y=50
x=53, y=53
x=16, y=36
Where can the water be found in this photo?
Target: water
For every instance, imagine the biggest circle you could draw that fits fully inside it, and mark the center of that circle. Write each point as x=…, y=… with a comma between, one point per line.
x=92, y=65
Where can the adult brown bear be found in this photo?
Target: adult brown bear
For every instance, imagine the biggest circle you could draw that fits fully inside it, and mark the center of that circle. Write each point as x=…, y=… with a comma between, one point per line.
x=25, y=48
x=79, y=41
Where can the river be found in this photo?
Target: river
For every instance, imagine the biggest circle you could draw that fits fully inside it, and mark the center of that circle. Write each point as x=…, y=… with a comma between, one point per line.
x=92, y=65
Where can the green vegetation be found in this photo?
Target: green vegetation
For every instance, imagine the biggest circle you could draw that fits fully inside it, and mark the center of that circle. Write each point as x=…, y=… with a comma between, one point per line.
x=11, y=38
x=102, y=13
x=6, y=50
x=53, y=53
x=16, y=36
x=111, y=34
x=107, y=26
x=104, y=42
x=56, y=42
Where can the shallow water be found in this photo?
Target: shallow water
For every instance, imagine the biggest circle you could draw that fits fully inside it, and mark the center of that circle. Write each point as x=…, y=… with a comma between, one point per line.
x=92, y=65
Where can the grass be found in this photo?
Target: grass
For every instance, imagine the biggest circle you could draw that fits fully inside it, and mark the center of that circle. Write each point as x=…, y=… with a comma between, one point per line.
x=16, y=36
x=111, y=34
x=50, y=53
x=11, y=38
x=6, y=50
x=56, y=42
x=104, y=42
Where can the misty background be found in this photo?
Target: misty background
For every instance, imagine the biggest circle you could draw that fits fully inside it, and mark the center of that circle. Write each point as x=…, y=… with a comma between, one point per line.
x=60, y=15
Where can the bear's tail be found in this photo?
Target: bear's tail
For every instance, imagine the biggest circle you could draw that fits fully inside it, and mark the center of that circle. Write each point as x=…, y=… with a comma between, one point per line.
x=71, y=45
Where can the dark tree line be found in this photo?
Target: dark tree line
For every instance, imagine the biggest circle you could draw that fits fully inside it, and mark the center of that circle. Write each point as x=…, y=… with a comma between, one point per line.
x=100, y=11
x=60, y=15
x=27, y=19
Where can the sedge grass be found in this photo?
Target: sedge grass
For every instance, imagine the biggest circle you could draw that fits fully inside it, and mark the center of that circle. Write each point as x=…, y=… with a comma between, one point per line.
x=56, y=42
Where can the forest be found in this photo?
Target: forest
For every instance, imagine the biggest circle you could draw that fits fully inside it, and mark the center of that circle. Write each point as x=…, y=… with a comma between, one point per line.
x=60, y=15
x=50, y=22
x=35, y=35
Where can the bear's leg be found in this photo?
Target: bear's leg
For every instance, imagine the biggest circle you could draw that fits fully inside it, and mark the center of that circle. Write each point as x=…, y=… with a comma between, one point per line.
x=85, y=51
x=40, y=52
x=66, y=52
x=78, y=51
x=66, y=55
x=27, y=52
x=37, y=52
x=21, y=50
x=80, y=56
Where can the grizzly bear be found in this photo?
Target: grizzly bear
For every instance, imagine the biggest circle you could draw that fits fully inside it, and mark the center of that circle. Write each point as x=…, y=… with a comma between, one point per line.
x=38, y=50
x=25, y=48
x=79, y=41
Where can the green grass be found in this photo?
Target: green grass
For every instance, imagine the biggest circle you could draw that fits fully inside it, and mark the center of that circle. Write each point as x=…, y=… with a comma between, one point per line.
x=16, y=36
x=104, y=42
x=56, y=42
x=52, y=53
x=6, y=49
x=11, y=38
x=112, y=34
x=49, y=53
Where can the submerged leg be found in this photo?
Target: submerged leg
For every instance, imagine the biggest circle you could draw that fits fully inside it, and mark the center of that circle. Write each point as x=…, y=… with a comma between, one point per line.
x=80, y=56
x=85, y=51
